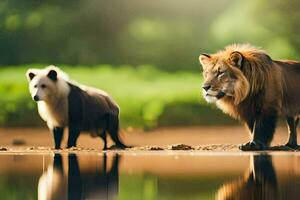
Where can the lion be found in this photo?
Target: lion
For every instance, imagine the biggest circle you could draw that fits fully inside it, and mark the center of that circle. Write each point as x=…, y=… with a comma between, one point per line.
x=247, y=84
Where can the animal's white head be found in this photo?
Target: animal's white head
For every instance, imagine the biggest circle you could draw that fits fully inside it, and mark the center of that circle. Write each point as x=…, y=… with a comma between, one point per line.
x=46, y=84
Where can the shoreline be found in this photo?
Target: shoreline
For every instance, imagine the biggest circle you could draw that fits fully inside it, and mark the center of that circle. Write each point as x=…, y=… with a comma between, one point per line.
x=170, y=139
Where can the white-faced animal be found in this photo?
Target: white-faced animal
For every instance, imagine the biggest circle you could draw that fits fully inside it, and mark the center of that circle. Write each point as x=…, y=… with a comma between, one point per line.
x=63, y=103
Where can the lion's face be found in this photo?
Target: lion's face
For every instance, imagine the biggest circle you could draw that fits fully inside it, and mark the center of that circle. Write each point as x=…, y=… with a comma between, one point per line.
x=218, y=82
x=222, y=76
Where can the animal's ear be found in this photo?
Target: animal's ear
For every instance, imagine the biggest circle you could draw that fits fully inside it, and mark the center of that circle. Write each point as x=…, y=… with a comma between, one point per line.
x=30, y=75
x=236, y=59
x=52, y=74
x=204, y=59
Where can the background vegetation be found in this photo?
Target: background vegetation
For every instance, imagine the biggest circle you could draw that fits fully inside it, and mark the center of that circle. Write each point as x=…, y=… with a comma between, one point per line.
x=145, y=53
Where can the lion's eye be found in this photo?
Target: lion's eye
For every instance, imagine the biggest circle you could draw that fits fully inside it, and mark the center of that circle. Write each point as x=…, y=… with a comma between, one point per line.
x=43, y=86
x=220, y=73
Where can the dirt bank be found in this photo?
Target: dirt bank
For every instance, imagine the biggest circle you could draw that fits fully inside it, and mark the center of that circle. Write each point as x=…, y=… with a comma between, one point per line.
x=225, y=138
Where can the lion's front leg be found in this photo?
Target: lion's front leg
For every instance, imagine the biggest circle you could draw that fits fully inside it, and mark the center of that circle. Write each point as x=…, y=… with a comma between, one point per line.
x=263, y=131
x=250, y=124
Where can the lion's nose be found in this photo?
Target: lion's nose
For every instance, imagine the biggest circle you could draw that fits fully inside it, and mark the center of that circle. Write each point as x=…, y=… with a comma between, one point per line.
x=206, y=87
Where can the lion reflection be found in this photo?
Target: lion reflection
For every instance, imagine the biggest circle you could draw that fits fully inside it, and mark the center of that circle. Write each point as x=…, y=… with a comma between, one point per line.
x=262, y=181
x=259, y=183
x=58, y=184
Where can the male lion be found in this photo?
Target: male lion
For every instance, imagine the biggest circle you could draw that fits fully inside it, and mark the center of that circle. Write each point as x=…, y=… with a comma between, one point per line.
x=248, y=85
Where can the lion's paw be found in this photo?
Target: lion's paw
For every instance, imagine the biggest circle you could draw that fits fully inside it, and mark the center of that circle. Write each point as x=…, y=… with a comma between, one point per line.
x=294, y=146
x=252, y=146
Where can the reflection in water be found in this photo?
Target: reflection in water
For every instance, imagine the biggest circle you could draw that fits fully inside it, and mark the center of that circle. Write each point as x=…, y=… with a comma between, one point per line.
x=53, y=183
x=259, y=182
x=150, y=176
x=56, y=184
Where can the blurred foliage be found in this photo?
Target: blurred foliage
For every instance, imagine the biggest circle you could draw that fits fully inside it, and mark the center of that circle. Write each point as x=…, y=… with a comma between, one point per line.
x=151, y=187
x=16, y=187
x=133, y=36
x=147, y=96
x=131, y=186
x=163, y=33
x=264, y=24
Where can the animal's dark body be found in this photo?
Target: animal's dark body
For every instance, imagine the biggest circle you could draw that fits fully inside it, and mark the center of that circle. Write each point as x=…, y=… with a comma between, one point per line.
x=90, y=110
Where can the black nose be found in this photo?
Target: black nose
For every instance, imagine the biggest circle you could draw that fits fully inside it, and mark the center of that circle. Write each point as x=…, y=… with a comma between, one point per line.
x=206, y=87
x=36, y=98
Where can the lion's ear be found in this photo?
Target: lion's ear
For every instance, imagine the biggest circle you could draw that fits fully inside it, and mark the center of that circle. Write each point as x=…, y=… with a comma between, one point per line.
x=204, y=59
x=236, y=58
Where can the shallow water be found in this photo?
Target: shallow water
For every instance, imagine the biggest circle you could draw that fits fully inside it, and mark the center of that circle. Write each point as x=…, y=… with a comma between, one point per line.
x=150, y=176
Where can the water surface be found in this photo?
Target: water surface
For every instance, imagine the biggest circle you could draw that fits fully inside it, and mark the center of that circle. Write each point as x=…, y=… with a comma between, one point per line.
x=150, y=176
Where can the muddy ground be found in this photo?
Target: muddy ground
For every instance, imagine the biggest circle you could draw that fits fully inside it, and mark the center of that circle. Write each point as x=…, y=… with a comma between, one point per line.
x=211, y=139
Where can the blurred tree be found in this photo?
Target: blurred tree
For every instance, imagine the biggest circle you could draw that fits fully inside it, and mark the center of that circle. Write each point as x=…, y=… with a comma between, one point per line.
x=265, y=24
x=282, y=18
x=164, y=33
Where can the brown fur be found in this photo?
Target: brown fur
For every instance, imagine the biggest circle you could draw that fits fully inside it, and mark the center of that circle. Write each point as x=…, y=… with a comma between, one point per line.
x=260, y=88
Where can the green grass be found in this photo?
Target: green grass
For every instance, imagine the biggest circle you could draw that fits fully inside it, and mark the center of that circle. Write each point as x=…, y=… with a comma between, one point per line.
x=147, y=96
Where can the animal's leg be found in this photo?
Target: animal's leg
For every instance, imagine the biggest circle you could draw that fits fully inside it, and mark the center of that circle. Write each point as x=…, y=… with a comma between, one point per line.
x=264, y=174
x=104, y=138
x=263, y=131
x=74, y=178
x=113, y=176
x=104, y=168
x=115, y=137
x=57, y=163
x=292, y=123
x=113, y=129
x=58, y=135
x=250, y=125
x=74, y=132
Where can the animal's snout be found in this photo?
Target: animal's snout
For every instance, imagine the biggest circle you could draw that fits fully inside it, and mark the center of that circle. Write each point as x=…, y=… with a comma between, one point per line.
x=36, y=98
x=206, y=87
